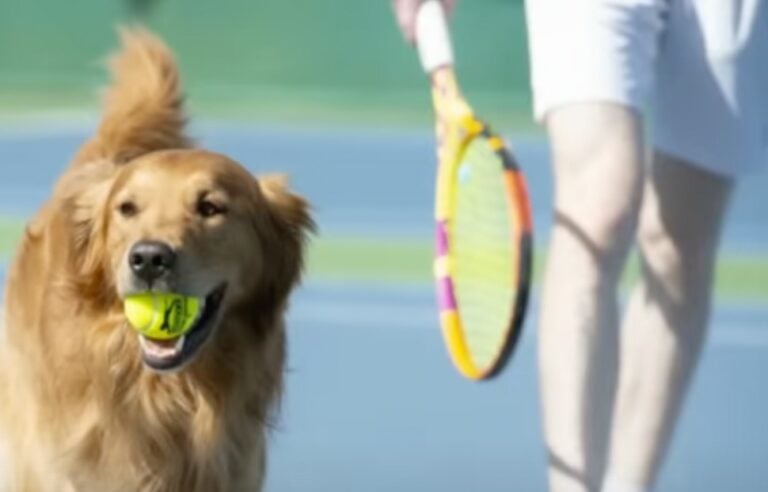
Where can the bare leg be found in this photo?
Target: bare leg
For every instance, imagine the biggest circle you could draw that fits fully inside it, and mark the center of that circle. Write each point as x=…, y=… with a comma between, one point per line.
x=666, y=320
x=598, y=166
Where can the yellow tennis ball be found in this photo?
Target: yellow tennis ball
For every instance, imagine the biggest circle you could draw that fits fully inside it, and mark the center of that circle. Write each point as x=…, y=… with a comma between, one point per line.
x=162, y=316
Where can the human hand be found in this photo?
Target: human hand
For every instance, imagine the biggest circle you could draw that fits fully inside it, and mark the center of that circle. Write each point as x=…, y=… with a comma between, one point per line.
x=405, y=12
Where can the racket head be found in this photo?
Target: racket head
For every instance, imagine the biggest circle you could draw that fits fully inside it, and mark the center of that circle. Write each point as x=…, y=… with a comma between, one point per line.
x=483, y=249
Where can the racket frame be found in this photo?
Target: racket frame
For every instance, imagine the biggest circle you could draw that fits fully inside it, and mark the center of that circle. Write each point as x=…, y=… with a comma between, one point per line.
x=521, y=227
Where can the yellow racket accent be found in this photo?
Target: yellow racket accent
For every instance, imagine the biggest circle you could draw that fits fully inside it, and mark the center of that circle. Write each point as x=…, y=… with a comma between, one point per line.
x=454, y=337
x=496, y=143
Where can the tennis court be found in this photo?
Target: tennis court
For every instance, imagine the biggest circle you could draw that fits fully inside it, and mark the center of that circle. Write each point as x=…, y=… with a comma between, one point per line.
x=372, y=402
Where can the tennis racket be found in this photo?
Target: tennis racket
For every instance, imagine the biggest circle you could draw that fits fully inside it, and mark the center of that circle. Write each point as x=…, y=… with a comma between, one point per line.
x=483, y=249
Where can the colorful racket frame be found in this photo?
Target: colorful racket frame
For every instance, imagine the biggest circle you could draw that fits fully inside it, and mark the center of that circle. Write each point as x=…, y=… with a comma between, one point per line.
x=453, y=140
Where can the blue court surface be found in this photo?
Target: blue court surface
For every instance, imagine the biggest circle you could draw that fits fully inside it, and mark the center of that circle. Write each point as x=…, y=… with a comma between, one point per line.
x=372, y=403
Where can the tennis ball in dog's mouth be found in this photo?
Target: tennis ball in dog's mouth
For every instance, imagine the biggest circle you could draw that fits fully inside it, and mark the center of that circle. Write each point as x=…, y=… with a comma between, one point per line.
x=162, y=316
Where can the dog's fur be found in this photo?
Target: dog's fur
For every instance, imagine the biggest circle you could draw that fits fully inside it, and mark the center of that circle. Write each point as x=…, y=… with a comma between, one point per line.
x=79, y=409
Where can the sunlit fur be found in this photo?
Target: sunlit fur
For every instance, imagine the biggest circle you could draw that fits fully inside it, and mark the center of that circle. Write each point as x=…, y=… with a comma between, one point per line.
x=80, y=411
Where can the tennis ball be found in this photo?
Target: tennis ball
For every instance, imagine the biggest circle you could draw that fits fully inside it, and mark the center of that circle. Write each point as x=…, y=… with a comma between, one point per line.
x=162, y=316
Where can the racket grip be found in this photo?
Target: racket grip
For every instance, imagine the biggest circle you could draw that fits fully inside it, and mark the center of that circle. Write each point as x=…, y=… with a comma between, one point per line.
x=433, y=40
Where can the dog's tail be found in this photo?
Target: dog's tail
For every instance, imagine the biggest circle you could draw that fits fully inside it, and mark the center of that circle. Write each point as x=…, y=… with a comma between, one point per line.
x=143, y=105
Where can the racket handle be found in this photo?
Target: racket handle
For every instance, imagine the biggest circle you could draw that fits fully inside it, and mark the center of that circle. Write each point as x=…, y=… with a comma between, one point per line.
x=433, y=39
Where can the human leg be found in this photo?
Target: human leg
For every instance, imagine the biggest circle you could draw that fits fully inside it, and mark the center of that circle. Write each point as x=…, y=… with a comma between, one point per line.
x=665, y=323
x=598, y=159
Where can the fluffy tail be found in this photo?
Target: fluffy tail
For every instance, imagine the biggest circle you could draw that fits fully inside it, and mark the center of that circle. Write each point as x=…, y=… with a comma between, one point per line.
x=143, y=105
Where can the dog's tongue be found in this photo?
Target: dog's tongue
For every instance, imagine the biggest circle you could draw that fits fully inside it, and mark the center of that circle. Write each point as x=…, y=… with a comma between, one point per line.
x=161, y=349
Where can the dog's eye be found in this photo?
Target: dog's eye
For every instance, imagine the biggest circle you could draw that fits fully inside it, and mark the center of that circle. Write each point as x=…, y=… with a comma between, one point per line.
x=128, y=209
x=207, y=208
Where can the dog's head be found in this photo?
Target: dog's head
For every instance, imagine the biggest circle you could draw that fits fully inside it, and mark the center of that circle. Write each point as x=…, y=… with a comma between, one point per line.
x=198, y=224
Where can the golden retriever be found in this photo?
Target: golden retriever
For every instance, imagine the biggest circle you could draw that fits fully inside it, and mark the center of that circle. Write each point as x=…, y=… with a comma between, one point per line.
x=87, y=403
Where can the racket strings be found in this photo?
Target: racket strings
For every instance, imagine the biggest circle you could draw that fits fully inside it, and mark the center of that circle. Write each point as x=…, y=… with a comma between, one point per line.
x=484, y=269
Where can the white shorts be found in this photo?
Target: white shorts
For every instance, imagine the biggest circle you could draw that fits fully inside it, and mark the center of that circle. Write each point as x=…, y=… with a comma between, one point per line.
x=700, y=66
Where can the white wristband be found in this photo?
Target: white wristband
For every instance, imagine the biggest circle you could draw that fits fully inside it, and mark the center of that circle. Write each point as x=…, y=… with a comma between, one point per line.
x=433, y=39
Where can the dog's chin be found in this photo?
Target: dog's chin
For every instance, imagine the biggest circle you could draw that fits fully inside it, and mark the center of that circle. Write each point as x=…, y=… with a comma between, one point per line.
x=165, y=356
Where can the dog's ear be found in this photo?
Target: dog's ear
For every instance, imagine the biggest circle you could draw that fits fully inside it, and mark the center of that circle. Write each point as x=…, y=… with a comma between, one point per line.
x=291, y=209
x=290, y=223
x=84, y=194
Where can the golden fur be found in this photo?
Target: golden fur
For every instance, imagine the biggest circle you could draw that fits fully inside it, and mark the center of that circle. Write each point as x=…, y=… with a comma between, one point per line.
x=80, y=410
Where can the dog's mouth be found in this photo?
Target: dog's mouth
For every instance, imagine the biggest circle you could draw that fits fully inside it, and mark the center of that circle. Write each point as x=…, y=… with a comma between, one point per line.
x=167, y=355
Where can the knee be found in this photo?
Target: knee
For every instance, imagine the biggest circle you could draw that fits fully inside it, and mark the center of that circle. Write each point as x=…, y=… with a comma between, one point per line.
x=677, y=278
x=598, y=161
x=601, y=232
x=662, y=258
x=675, y=263
x=606, y=230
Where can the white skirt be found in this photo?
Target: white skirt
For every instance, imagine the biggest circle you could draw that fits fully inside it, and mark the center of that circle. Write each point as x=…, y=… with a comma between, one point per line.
x=699, y=67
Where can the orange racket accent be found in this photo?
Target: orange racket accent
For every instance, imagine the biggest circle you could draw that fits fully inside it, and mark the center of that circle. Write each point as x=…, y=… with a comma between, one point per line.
x=523, y=201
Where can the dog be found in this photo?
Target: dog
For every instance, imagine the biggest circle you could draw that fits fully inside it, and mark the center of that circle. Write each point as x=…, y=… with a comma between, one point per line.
x=90, y=405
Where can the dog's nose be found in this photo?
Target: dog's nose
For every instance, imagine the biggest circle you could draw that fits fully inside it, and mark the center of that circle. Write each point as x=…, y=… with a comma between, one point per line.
x=150, y=260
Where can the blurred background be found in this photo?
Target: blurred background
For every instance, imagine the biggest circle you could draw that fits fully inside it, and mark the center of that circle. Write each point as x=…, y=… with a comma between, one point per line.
x=337, y=59
x=328, y=92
